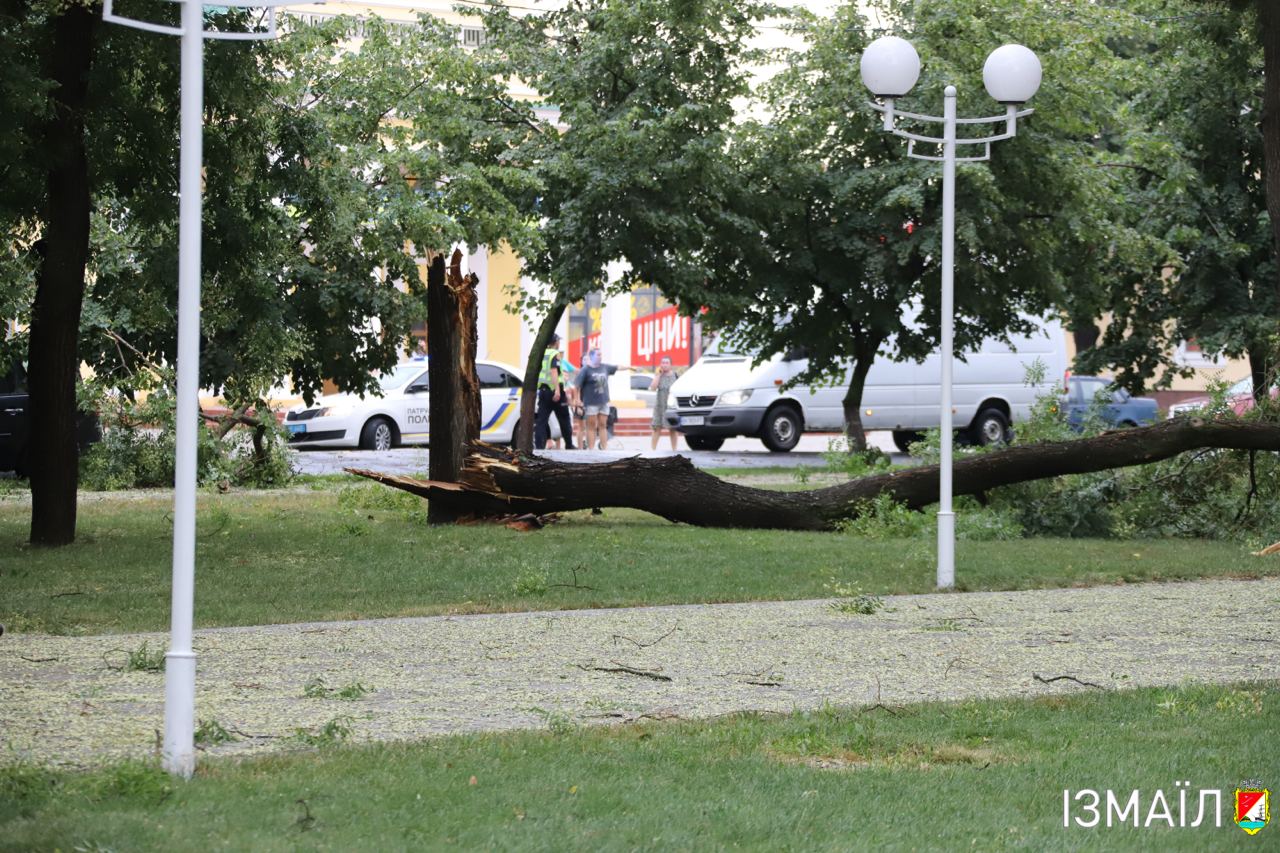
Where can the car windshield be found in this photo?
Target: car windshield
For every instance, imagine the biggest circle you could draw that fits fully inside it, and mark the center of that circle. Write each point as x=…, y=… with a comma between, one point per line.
x=398, y=377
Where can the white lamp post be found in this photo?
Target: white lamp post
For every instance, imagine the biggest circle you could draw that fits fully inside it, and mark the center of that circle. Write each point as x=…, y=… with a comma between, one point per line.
x=178, y=753
x=890, y=67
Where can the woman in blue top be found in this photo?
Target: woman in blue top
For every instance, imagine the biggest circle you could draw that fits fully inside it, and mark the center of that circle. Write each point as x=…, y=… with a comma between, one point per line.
x=593, y=389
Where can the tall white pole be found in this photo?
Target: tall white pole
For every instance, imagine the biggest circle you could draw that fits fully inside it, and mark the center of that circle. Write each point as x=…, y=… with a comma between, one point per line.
x=947, y=518
x=179, y=755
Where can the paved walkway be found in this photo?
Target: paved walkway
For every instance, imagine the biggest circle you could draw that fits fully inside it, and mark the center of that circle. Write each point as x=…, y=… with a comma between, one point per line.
x=736, y=453
x=60, y=702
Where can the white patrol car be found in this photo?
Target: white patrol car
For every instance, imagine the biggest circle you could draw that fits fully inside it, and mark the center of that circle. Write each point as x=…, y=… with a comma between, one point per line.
x=399, y=414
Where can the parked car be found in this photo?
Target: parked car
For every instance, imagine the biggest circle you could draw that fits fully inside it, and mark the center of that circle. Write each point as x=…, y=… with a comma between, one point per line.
x=723, y=395
x=15, y=423
x=398, y=414
x=1121, y=408
x=1239, y=398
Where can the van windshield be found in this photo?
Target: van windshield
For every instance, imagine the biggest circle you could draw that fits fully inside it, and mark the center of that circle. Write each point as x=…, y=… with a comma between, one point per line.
x=719, y=350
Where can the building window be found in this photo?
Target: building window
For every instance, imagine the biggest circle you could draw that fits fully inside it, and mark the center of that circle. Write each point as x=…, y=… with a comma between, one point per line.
x=1190, y=354
x=472, y=36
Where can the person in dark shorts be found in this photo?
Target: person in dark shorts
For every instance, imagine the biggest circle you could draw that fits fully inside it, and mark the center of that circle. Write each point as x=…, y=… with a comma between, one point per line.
x=552, y=399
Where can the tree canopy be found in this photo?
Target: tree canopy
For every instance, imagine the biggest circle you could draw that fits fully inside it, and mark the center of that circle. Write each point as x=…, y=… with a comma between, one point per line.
x=331, y=167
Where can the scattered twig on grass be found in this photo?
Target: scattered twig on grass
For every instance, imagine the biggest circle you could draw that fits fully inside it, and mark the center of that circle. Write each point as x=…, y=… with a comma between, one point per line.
x=307, y=820
x=764, y=683
x=245, y=685
x=1043, y=680
x=65, y=594
x=621, y=668
x=575, y=584
x=37, y=660
x=640, y=645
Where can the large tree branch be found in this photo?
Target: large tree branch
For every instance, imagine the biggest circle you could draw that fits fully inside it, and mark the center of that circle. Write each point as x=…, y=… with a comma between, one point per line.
x=497, y=482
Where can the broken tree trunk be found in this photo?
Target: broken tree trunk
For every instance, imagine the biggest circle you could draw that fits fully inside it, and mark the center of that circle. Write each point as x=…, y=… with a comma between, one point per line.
x=497, y=482
x=453, y=409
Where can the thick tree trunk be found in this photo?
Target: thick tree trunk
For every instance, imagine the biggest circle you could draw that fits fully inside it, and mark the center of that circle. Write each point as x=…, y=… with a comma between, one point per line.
x=1261, y=369
x=1269, y=32
x=1085, y=335
x=497, y=482
x=852, y=404
x=529, y=388
x=454, y=404
x=55, y=315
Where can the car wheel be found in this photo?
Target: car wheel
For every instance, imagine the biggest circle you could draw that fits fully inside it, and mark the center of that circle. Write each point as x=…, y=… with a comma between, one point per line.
x=377, y=435
x=703, y=442
x=989, y=427
x=781, y=429
x=904, y=438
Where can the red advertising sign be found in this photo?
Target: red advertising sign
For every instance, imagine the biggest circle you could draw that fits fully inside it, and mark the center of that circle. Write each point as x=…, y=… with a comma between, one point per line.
x=664, y=333
x=576, y=350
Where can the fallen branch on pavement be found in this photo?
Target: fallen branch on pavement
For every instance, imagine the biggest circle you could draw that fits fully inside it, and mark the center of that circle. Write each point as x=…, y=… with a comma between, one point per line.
x=1051, y=679
x=626, y=670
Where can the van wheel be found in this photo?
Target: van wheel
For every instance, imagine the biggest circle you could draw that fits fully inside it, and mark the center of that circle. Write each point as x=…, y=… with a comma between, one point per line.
x=989, y=427
x=703, y=442
x=904, y=438
x=377, y=435
x=781, y=429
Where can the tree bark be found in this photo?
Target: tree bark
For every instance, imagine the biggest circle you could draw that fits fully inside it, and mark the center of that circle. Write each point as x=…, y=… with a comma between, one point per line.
x=497, y=482
x=529, y=388
x=454, y=403
x=1085, y=335
x=1269, y=33
x=53, y=349
x=852, y=404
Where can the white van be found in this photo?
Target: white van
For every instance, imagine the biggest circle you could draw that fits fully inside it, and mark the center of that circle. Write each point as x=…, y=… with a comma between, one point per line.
x=722, y=395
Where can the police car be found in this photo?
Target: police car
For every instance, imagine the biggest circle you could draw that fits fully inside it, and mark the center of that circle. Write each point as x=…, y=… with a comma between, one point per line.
x=398, y=414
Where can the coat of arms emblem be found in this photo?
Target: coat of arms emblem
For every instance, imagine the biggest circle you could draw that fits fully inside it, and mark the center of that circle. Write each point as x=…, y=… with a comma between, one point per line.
x=1253, y=809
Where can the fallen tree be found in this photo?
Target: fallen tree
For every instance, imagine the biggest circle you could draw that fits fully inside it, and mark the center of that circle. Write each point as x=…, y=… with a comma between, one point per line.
x=497, y=482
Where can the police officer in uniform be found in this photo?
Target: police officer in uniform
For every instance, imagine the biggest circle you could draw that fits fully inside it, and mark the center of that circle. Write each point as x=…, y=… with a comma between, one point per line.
x=552, y=398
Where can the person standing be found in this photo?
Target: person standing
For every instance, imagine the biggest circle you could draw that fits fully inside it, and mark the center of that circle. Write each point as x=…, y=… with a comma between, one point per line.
x=566, y=381
x=662, y=382
x=552, y=399
x=593, y=389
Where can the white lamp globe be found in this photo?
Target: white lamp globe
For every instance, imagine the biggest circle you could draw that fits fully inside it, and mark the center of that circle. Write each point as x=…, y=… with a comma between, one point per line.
x=1011, y=74
x=890, y=67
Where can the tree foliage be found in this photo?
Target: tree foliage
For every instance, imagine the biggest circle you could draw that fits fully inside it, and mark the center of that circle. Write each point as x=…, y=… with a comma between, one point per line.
x=632, y=173
x=1194, y=181
x=842, y=230
x=331, y=167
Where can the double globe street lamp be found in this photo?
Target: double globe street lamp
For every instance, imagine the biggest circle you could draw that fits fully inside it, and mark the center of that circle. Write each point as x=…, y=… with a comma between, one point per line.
x=890, y=68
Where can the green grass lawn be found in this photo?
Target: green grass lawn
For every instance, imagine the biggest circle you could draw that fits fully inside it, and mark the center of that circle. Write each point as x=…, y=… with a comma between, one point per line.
x=984, y=775
x=366, y=551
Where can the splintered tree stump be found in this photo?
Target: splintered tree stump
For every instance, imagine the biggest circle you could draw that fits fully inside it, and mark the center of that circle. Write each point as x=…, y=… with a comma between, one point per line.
x=495, y=481
x=453, y=409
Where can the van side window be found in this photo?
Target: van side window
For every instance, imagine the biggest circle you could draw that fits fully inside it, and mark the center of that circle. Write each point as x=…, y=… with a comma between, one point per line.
x=796, y=353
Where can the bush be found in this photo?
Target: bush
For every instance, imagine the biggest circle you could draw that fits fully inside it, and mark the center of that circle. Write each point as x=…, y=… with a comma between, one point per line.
x=1209, y=494
x=137, y=449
